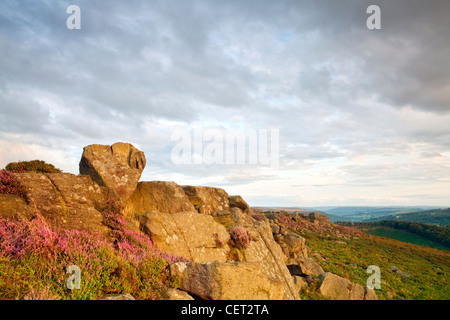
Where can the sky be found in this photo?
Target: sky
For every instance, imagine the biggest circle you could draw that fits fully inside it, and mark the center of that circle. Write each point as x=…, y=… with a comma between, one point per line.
x=353, y=116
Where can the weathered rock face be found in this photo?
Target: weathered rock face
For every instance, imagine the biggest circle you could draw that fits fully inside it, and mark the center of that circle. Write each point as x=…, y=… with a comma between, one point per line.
x=226, y=281
x=238, y=202
x=68, y=200
x=188, y=234
x=216, y=198
x=338, y=288
x=118, y=166
x=262, y=248
x=161, y=196
x=12, y=206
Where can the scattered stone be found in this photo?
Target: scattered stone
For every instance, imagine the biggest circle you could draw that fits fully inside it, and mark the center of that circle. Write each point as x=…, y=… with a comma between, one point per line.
x=399, y=272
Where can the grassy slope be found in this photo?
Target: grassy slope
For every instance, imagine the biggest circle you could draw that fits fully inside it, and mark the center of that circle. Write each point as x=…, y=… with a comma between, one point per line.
x=429, y=268
x=405, y=236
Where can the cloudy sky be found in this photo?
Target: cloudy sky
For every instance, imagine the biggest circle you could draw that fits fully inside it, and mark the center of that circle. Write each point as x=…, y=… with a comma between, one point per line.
x=363, y=116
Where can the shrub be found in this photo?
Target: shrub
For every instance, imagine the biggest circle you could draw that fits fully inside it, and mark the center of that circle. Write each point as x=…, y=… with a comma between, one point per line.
x=32, y=166
x=240, y=236
x=34, y=256
x=9, y=183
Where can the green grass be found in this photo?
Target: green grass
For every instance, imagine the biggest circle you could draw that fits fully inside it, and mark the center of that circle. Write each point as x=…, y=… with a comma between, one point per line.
x=405, y=236
x=429, y=268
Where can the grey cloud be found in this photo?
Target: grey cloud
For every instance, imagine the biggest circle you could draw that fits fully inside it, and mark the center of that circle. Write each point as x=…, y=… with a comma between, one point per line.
x=334, y=88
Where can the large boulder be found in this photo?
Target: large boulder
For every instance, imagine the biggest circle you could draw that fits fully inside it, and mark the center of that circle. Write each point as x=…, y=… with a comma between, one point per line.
x=216, y=198
x=338, y=288
x=118, y=166
x=161, y=196
x=226, y=281
x=73, y=202
x=188, y=234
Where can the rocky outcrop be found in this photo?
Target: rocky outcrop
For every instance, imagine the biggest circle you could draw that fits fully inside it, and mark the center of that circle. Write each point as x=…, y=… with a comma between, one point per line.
x=264, y=250
x=215, y=198
x=118, y=166
x=188, y=234
x=292, y=244
x=160, y=196
x=226, y=281
x=73, y=202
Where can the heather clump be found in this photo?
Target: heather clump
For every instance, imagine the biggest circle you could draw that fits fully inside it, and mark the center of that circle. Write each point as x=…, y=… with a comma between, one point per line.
x=9, y=183
x=32, y=166
x=34, y=257
x=240, y=237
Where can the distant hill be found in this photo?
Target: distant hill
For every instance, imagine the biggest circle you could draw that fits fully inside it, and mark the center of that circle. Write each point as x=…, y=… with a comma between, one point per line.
x=332, y=217
x=368, y=213
x=439, y=217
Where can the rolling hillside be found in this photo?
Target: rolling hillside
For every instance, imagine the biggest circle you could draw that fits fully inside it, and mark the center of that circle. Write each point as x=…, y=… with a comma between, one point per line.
x=439, y=217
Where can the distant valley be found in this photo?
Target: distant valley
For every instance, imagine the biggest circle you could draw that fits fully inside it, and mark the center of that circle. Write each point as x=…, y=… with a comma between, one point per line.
x=423, y=214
